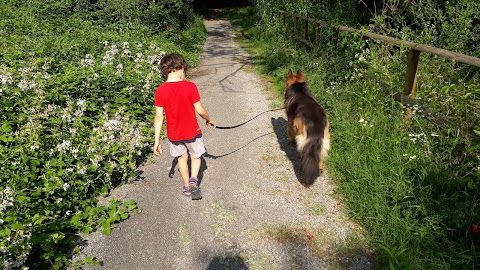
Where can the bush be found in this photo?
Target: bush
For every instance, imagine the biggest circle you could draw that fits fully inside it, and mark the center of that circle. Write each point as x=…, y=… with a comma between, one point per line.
x=75, y=116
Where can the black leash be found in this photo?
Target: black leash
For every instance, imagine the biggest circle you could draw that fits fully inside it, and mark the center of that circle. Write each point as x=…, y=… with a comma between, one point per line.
x=272, y=110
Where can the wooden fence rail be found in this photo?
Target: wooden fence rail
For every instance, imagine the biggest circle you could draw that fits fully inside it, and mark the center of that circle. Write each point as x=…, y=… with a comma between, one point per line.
x=414, y=48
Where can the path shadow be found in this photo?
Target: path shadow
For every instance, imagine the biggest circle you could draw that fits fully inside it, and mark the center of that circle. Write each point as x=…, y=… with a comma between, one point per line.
x=203, y=167
x=280, y=128
x=208, y=155
x=227, y=263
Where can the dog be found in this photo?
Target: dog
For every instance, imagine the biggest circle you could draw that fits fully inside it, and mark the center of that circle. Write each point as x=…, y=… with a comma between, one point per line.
x=307, y=127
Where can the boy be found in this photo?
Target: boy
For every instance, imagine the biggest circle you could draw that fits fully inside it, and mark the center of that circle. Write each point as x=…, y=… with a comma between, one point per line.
x=180, y=100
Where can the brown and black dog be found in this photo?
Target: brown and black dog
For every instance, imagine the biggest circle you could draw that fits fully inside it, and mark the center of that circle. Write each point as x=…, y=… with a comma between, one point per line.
x=307, y=127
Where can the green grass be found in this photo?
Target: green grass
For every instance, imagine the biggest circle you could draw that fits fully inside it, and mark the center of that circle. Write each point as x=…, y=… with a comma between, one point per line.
x=402, y=183
x=183, y=234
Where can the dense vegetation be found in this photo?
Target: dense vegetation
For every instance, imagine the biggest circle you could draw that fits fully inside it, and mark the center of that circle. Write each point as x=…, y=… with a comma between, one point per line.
x=76, y=93
x=412, y=185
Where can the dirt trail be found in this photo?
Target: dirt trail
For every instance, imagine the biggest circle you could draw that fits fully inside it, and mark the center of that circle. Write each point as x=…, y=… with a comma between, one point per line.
x=254, y=214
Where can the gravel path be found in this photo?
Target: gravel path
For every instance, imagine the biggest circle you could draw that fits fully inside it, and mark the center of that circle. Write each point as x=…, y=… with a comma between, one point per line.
x=254, y=214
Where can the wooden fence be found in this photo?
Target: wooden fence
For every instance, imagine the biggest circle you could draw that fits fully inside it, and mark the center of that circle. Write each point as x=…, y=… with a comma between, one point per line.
x=302, y=33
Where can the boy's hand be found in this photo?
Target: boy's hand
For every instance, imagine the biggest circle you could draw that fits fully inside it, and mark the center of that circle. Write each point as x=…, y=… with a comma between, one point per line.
x=210, y=124
x=157, y=149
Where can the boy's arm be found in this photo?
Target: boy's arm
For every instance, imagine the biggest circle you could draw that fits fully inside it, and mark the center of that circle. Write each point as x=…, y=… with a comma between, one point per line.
x=157, y=125
x=204, y=114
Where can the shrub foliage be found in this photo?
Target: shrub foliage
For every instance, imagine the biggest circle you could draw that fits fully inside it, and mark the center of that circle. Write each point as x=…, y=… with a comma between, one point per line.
x=76, y=94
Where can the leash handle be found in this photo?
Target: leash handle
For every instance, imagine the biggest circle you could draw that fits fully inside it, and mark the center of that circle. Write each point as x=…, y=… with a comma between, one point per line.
x=231, y=127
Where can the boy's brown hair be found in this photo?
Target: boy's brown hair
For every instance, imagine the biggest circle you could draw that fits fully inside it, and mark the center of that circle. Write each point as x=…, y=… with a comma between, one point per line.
x=172, y=62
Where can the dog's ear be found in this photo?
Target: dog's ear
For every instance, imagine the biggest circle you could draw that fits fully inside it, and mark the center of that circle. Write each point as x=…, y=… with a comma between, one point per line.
x=300, y=76
x=290, y=73
x=290, y=78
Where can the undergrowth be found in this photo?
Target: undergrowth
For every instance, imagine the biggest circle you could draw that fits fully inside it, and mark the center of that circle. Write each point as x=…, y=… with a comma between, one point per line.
x=76, y=91
x=413, y=185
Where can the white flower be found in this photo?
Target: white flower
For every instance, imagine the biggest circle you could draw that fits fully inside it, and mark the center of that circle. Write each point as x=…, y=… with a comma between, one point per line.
x=66, y=186
x=81, y=103
x=5, y=76
x=88, y=61
x=63, y=146
x=434, y=135
x=112, y=124
x=413, y=157
x=34, y=147
x=75, y=152
x=79, y=112
x=23, y=84
x=364, y=122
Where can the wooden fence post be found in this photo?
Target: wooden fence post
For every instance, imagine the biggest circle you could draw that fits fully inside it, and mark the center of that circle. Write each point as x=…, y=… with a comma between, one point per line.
x=411, y=79
x=295, y=25
x=335, y=37
x=305, y=31
x=318, y=36
x=283, y=18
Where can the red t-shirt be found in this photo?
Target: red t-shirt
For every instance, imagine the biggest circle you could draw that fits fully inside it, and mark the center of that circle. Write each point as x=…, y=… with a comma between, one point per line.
x=177, y=99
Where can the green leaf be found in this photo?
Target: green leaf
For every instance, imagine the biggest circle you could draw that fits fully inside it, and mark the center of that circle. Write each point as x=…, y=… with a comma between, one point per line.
x=106, y=224
x=5, y=232
x=6, y=127
x=22, y=198
x=87, y=229
x=35, y=162
x=16, y=226
x=4, y=138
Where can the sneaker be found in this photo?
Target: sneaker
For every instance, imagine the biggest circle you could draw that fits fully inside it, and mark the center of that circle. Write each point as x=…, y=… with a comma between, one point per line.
x=194, y=189
x=186, y=191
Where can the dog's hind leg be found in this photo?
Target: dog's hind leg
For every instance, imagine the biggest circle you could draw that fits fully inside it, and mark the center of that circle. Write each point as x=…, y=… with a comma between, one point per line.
x=301, y=136
x=325, y=147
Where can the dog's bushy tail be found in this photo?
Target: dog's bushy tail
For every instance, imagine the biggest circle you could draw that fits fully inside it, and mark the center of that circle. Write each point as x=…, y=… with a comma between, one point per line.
x=310, y=160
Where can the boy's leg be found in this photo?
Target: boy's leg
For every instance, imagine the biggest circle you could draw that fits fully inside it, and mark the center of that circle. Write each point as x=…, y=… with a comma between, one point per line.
x=195, y=166
x=183, y=168
x=180, y=151
x=196, y=150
